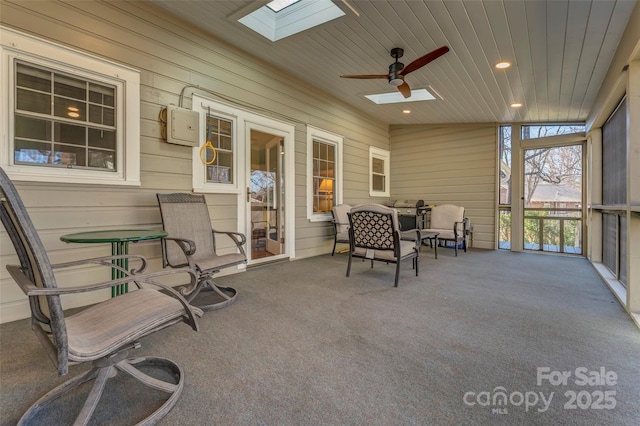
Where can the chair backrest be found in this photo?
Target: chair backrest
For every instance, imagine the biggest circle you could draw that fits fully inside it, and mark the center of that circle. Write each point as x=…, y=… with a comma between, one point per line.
x=445, y=215
x=341, y=220
x=46, y=311
x=186, y=216
x=373, y=227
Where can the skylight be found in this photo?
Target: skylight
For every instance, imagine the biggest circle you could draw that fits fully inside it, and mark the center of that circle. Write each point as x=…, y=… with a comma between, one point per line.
x=396, y=97
x=282, y=18
x=278, y=5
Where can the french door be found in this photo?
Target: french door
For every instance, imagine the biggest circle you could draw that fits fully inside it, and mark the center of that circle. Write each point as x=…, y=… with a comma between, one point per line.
x=269, y=192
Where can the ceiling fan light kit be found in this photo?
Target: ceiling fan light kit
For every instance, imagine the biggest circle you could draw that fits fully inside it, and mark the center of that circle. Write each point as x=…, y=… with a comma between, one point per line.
x=397, y=70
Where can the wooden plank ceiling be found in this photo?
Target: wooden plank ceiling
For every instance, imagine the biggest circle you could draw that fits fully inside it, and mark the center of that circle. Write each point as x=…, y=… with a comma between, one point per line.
x=560, y=50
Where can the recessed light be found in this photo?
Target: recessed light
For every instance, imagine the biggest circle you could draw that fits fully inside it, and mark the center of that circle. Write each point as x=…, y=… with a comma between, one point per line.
x=516, y=105
x=503, y=65
x=406, y=111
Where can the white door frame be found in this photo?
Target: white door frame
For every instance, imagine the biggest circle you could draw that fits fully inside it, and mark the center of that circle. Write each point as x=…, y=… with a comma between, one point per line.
x=287, y=132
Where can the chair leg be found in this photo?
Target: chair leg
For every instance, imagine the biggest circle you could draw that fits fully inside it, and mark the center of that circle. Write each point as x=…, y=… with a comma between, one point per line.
x=226, y=295
x=103, y=371
x=349, y=264
x=334, y=247
x=397, y=273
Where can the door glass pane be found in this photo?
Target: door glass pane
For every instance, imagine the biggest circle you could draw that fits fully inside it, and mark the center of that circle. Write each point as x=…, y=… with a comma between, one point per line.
x=266, y=196
x=553, y=199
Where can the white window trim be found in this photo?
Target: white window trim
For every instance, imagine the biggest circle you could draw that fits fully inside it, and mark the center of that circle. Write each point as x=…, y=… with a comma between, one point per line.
x=314, y=133
x=384, y=155
x=199, y=176
x=17, y=45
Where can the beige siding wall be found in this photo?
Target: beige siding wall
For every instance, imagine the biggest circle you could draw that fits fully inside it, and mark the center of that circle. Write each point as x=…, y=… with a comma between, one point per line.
x=448, y=164
x=170, y=55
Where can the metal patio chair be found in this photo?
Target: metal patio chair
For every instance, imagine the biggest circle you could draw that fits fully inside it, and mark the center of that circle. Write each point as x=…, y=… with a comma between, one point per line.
x=192, y=242
x=103, y=333
x=374, y=234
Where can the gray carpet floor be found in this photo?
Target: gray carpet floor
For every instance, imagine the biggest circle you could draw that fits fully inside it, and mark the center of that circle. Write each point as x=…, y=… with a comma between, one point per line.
x=304, y=345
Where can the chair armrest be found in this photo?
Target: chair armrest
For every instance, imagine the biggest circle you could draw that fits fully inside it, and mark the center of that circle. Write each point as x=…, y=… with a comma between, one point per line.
x=187, y=246
x=455, y=227
x=108, y=262
x=32, y=290
x=238, y=238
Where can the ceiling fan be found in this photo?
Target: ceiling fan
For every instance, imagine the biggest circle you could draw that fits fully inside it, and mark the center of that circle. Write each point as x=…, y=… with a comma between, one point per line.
x=397, y=70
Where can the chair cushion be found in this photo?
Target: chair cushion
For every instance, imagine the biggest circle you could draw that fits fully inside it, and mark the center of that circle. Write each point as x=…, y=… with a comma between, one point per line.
x=446, y=234
x=213, y=263
x=342, y=220
x=101, y=329
x=406, y=248
x=342, y=236
x=444, y=216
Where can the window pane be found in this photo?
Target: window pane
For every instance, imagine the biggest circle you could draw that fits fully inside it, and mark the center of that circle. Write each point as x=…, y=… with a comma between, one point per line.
x=69, y=133
x=101, y=115
x=544, y=131
x=33, y=102
x=102, y=139
x=505, y=165
x=225, y=143
x=102, y=95
x=377, y=165
x=32, y=128
x=69, y=87
x=33, y=78
x=378, y=183
x=65, y=155
x=102, y=159
x=31, y=152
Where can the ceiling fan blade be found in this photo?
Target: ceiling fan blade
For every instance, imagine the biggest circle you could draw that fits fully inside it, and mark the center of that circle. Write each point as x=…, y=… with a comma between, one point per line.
x=405, y=90
x=365, y=76
x=424, y=60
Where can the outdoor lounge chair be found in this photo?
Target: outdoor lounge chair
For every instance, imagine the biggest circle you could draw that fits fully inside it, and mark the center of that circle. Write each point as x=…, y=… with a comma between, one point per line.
x=340, y=225
x=449, y=222
x=102, y=333
x=192, y=242
x=374, y=234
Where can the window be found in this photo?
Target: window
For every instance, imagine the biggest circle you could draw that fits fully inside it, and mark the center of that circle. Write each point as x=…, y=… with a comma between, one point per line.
x=546, y=130
x=215, y=159
x=65, y=117
x=324, y=173
x=379, y=160
x=219, y=160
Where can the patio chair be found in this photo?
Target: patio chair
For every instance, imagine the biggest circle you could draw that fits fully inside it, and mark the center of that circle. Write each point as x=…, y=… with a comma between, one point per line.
x=102, y=334
x=374, y=234
x=449, y=222
x=192, y=242
x=340, y=223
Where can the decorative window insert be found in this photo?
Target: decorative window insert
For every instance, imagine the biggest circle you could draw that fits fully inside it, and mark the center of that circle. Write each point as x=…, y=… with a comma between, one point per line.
x=379, y=166
x=324, y=173
x=220, y=166
x=64, y=114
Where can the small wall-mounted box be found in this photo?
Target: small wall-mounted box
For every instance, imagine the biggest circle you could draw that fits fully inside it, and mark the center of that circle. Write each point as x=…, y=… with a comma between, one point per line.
x=182, y=126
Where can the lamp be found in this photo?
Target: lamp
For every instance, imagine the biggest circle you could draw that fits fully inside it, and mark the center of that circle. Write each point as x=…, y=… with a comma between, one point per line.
x=326, y=186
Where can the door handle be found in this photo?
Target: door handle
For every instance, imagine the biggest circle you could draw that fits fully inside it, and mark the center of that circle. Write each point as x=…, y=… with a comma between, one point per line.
x=248, y=195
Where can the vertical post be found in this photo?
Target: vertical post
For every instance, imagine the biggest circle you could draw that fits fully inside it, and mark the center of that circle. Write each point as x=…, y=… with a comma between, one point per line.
x=633, y=189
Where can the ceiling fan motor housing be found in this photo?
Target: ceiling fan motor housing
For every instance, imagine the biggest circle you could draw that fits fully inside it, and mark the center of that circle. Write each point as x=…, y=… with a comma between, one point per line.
x=395, y=78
